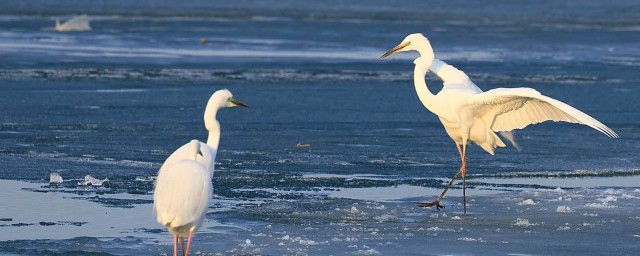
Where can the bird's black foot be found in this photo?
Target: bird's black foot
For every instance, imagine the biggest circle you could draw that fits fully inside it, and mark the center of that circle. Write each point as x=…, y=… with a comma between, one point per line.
x=436, y=203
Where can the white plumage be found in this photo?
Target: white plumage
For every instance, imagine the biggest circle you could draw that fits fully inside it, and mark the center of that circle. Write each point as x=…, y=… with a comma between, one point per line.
x=77, y=23
x=470, y=115
x=183, y=186
x=182, y=189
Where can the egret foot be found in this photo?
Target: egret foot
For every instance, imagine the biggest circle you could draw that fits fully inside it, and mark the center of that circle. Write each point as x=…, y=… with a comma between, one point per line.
x=426, y=205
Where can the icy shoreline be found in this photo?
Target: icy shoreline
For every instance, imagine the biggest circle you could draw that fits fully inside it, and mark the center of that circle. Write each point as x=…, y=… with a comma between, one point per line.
x=527, y=221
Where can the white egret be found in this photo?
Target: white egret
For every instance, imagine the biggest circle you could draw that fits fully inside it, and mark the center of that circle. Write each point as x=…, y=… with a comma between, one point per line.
x=77, y=23
x=470, y=115
x=183, y=185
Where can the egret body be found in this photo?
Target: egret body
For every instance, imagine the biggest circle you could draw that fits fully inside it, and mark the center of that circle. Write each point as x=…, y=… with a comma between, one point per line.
x=77, y=23
x=183, y=186
x=470, y=115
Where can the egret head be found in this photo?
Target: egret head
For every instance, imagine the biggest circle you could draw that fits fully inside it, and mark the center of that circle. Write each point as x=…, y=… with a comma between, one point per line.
x=220, y=99
x=225, y=99
x=414, y=42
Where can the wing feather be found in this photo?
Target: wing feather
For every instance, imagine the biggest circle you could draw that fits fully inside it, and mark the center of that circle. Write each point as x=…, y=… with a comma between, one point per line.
x=507, y=109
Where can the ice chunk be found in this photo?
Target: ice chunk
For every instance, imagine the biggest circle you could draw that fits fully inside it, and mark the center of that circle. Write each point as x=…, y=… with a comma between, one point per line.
x=599, y=206
x=608, y=199
x=385, y=218
x=55, y=178
x=367, y=252
x=88, y=180
x=469, y=239
x=524, y=223
x=564, y=209
x=527, y=202
x=303, y=241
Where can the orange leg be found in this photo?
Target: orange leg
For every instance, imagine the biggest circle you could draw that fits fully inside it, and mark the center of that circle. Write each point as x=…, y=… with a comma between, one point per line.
x=182, y=244
x=175, y=245
x=462, y=172
x=188, y=243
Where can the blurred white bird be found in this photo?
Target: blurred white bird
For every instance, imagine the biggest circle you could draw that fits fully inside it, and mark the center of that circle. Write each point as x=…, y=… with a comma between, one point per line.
x=77, y=23
x=183, y=186
x=470, y=115
x=55, y=178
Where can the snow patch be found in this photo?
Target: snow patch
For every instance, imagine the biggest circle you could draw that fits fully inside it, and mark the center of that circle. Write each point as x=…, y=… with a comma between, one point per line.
x=55, y=178
x=524, y=223
x=367, y=252
x=469, y=239
x=88, y=180
x=564, y=209
x=564, y=228
x=527, y=202
x=599, y=206
x=438, y=229
x=386, y=218
x=608, y=199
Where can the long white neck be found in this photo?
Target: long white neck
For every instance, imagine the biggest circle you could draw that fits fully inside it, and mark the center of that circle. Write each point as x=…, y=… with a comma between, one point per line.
x=426, y=97
x=211, y=123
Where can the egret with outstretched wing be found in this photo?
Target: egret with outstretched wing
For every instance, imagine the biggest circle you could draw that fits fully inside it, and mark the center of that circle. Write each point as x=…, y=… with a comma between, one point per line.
x=470, y=115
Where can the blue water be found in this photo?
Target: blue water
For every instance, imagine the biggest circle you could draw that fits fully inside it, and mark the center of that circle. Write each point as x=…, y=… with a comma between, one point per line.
x=116, y=101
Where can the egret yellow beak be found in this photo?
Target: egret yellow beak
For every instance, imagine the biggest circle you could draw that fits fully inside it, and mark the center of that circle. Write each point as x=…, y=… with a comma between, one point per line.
x=395, y=49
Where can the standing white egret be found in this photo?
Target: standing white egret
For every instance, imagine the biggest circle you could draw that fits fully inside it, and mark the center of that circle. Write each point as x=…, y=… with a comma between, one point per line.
x=77, y=23
x=470, y=115
x=183, y=185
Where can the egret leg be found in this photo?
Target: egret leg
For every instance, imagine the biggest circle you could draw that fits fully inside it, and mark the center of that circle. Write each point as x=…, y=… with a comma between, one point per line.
x=182, y=244
x=188, y=243
x=437, y=201
x=175, y=245
x=463, y=171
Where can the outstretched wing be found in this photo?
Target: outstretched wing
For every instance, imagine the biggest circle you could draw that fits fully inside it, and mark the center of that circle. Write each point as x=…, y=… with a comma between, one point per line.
x=507, y=109
x=78, y=23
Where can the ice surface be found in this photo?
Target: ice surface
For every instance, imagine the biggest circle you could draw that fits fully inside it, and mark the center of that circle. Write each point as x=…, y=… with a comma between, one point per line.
x=113, y=102
x=72, y=217
x=312, y=224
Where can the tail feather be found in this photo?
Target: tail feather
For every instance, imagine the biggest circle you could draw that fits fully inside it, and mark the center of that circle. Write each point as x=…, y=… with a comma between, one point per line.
x=510, y=136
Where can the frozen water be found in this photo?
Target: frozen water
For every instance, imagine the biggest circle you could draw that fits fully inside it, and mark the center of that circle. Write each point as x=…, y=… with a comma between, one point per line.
x=315, y=224
x=336, y=150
